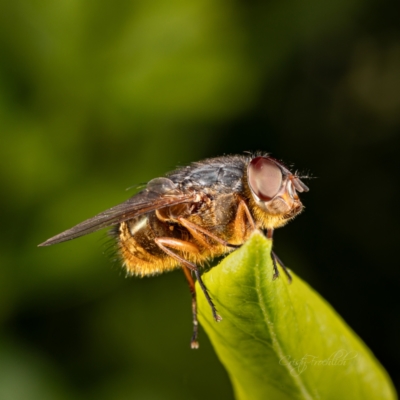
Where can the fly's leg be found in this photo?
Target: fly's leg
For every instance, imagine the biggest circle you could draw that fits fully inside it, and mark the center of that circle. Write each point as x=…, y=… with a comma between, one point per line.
x=243, y=216
x=166, y=244
x=198, y=233
x=242, y=221
x=194, y=344
x=276, y=260
x=177, y=244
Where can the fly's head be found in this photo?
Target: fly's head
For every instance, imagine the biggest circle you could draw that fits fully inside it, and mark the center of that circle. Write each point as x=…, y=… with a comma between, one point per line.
x=273, y=192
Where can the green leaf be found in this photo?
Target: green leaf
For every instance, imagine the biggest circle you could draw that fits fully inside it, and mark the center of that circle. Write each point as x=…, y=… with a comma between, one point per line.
x=283, y=341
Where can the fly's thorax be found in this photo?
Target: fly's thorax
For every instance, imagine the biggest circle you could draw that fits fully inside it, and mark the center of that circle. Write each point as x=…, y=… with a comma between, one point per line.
x=224, y=210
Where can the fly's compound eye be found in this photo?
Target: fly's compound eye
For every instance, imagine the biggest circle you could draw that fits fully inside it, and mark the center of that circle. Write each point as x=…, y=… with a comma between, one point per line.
x=265, y=178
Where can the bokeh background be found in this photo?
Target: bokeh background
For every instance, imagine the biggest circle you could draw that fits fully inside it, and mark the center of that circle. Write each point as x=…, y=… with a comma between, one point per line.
x=98, y=96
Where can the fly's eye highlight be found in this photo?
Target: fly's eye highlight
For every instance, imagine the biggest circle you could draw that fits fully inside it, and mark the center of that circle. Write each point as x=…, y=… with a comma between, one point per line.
x=265, y=178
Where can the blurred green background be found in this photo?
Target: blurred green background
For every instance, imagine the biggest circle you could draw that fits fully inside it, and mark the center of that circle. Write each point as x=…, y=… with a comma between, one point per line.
x=96, y=97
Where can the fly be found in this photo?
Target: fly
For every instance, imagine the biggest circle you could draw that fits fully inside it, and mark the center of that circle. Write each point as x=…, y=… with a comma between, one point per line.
x=196, y=213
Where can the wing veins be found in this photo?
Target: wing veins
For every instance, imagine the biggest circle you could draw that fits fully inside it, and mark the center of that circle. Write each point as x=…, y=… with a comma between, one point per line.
x=116, y=215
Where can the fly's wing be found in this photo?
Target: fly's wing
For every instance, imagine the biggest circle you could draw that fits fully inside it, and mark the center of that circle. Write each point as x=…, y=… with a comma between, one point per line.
x=159, y=193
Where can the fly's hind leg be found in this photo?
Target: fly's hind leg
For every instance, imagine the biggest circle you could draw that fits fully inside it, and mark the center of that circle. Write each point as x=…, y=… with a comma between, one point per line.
x=166, y=244
x=276, y=260
x=194, y=344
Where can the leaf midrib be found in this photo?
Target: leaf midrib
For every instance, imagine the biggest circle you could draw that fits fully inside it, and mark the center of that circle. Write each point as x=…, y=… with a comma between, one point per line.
x=274, y=337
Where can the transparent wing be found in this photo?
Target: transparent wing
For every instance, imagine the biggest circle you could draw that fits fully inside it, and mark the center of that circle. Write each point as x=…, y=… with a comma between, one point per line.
x=159, y=193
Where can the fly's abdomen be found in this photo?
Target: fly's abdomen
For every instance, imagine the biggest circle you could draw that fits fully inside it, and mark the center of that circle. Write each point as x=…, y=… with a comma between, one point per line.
x=139, y=251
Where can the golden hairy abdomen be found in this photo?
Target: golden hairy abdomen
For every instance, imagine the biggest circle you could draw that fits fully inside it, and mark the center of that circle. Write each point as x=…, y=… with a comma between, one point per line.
x=142, y=256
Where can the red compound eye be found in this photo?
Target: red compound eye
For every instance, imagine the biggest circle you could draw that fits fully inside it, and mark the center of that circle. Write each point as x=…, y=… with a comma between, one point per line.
x=265, y=178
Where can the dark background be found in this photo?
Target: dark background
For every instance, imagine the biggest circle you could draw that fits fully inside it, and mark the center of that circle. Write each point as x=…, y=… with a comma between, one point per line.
x=96, y=97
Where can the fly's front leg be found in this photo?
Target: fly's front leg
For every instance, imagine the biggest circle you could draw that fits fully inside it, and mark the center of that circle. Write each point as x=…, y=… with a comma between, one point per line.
x=276, y=260
x=242, y=220
x=166, y=244
x=285, y=270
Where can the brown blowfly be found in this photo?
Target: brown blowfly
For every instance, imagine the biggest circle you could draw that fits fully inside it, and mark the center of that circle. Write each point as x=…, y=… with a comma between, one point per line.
x=196, y=213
